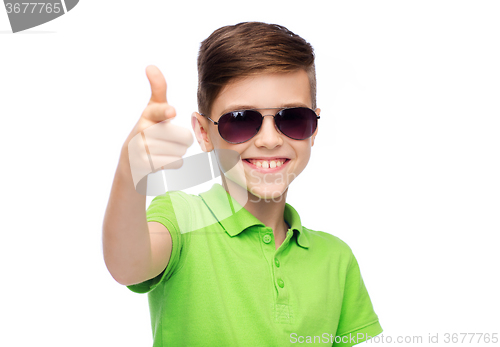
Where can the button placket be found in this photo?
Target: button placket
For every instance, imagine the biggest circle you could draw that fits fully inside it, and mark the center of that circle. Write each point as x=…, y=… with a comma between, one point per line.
x=279, y=281
x=266, y=241
x=274, y=261
x=283, y=310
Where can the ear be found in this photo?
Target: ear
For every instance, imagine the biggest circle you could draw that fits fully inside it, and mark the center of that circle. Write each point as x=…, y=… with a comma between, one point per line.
x=200, y=125
x=318, y=111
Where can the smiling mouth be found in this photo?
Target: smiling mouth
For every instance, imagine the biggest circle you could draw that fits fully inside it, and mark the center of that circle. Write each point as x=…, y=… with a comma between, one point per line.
x=268, y=163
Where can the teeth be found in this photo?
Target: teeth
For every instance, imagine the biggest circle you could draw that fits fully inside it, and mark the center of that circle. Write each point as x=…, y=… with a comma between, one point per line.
x=265, y=164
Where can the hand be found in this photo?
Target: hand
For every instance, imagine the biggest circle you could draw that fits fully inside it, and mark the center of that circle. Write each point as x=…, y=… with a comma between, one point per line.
x=154, y=143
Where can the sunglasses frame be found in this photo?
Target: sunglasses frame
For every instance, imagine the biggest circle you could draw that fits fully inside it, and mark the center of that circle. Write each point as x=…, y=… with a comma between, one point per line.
x=262, y=120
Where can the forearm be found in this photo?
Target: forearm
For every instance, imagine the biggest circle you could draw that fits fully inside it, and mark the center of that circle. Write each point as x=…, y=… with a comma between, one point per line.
x=125, y=237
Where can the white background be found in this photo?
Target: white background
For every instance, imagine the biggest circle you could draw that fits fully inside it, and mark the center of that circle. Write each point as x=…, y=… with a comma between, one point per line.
x=405, y=168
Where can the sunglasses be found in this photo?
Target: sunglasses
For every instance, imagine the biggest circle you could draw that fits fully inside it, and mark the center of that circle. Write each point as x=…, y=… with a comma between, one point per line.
x=298, y=123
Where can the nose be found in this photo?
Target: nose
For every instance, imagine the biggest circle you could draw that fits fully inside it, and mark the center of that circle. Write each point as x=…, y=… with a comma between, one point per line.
x=268, y=135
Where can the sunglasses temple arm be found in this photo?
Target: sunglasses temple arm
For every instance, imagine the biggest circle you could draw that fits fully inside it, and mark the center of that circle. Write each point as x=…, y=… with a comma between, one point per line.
x=215, y=123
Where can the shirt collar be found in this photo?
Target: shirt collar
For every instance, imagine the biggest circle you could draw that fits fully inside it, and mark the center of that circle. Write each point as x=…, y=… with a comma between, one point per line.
x=234, y=218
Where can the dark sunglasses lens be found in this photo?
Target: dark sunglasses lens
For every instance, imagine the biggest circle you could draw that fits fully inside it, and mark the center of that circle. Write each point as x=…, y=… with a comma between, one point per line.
x=239, y=126
x=297, y=123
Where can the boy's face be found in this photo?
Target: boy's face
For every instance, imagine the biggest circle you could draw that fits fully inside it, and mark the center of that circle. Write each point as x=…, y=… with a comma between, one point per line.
x=290, y=156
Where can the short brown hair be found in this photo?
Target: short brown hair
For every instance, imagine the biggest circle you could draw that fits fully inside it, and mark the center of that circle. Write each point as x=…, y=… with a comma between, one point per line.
x=246, y=49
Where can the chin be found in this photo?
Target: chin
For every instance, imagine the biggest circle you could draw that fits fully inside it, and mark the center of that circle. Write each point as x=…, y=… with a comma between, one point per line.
x=272, y=193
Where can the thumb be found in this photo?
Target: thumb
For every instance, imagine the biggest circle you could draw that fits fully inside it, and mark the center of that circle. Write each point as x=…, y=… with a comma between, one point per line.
x=158, y=84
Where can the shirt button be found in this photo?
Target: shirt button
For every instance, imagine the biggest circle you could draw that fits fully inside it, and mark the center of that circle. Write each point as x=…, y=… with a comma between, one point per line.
x=281, y=283
x=266, y=238
x=277, y=262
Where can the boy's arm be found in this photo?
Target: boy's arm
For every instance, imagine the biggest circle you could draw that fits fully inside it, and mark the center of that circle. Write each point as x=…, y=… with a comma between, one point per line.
x=135, y=250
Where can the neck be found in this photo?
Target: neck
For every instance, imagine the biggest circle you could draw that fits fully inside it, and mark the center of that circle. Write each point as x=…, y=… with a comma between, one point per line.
x=270, y=212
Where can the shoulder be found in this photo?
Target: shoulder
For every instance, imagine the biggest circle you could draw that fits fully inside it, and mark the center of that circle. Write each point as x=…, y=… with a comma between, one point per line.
x=177, y=207
x=188, y=212
x=176, y=200
x=326, y=238
x=321, y=241
x=177, y=195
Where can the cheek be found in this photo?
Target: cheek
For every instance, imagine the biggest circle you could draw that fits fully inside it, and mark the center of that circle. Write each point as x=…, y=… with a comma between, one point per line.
x=304, y=153
x=229, y=158
x=218, y=142
x=213, y=135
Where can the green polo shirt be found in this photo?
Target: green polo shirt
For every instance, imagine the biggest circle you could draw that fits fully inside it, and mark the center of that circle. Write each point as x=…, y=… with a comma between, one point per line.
x=226, y=284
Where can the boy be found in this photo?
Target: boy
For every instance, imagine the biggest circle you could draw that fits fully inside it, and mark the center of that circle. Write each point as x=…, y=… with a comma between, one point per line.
x=234, y=266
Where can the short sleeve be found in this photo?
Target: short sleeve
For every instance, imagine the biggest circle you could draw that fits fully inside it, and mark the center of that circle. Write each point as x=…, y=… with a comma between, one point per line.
x=358, y=321
x=161, y=210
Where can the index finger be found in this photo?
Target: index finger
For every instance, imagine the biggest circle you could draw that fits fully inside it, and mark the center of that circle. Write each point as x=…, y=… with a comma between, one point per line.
x=158, y=84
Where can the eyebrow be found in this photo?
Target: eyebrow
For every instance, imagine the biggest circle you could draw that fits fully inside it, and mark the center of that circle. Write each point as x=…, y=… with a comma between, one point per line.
x=252, y=107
